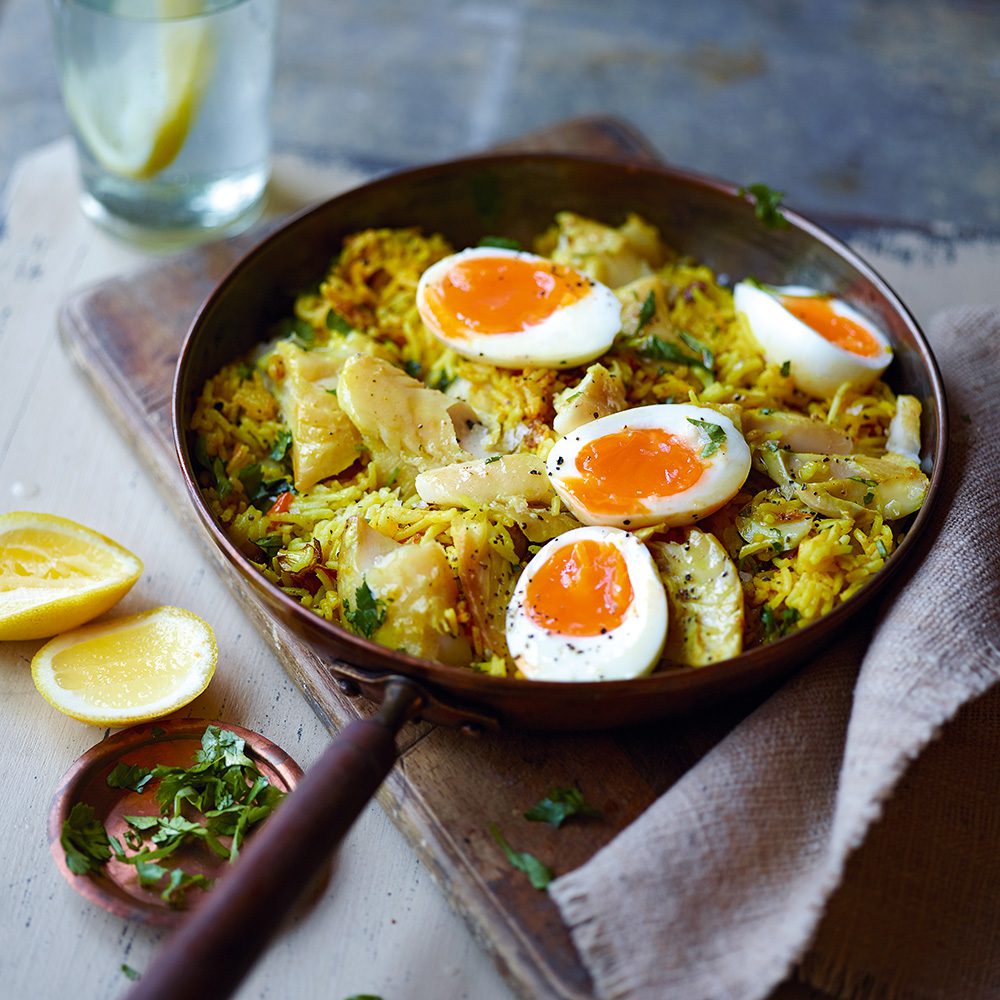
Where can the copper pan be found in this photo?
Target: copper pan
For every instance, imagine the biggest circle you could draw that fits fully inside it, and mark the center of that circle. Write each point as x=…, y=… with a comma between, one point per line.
x=516, y=196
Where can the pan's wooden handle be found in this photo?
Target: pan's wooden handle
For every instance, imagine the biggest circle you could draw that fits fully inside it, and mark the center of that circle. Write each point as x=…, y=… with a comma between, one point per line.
x=215, y=947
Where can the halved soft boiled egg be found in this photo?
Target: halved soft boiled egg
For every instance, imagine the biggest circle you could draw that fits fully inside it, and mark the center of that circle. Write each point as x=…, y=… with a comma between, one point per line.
x=515, y=309
x=824, y=341
x=588, y=607
x=671, y=464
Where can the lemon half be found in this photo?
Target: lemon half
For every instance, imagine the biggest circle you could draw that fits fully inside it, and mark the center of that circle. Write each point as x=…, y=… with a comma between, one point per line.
x=127, y=670
x=56, y=574
x=134, y=113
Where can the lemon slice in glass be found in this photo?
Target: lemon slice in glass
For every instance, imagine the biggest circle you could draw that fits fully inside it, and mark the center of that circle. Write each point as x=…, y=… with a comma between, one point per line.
x=135, y=112
x=127, y=670
x=56, y=574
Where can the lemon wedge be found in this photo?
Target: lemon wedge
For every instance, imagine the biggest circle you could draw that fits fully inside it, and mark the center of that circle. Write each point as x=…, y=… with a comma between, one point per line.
x=56, y=574
x=127, y=670
x=134, y=112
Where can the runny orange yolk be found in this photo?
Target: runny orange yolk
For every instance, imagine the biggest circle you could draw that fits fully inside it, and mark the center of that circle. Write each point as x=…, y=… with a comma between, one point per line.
x=818, y=313
x=619, y=470
x=582, y=589
x=490, y=295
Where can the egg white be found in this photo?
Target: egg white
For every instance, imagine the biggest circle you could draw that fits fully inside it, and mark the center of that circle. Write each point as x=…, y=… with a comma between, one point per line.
x=630, y=650
x=816, y=366
x=724, y=471
x=572, y=335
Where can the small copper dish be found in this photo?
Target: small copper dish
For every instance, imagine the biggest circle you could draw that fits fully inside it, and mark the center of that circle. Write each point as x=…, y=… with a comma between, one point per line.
x=169, y=741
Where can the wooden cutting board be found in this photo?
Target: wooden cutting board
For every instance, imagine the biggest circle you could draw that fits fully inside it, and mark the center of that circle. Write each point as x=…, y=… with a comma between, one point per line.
x=448, y=787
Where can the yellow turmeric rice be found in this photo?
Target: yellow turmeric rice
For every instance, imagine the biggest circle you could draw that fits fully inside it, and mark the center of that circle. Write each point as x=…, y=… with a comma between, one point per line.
x=795, y=558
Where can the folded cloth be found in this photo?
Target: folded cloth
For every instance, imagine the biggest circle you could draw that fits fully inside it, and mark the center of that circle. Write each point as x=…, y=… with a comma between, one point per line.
x=750, y=863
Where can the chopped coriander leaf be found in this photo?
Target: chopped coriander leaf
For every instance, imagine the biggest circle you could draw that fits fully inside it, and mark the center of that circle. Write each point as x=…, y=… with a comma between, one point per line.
x=443, y=381
x=225, y=788
x=778, y=625
x=143, y=822
x=863, y=481
x=716, y=435
x=368, y=612
x=223, y=484
x=868, y=497
x=270, y=545
x=880, y=548
x=201, y=455
x=222, y=746
x=559, y=805
x=492, y=458
x=299, y=331
x=84, y=840
x=251, y=477
x=539, y=875
x=129, y=973
x=662, y=350
x=244, y=371
x=766, y=205
x=282, y=442
x=178, y=884
x=259, y=491
x=129, y=776
x=646, y=311
x=412, y=368
x=707, y=357
x=149, y=873
x=786, y=368
x=337, y=323
x=178, y=881
x=501, y=242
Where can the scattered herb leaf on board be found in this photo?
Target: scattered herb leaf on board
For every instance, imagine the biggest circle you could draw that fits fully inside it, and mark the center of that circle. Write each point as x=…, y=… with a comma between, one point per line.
x=559, y=805
x=539, y=874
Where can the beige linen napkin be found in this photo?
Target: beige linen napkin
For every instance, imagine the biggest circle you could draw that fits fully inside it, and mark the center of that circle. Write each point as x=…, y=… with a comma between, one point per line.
x=750, y=862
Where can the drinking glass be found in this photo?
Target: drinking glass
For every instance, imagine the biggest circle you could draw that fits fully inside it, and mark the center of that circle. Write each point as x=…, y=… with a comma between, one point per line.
x=169, y=102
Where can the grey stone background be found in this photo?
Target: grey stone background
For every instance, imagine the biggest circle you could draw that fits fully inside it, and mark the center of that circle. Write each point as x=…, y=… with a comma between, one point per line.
x=882, y=108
